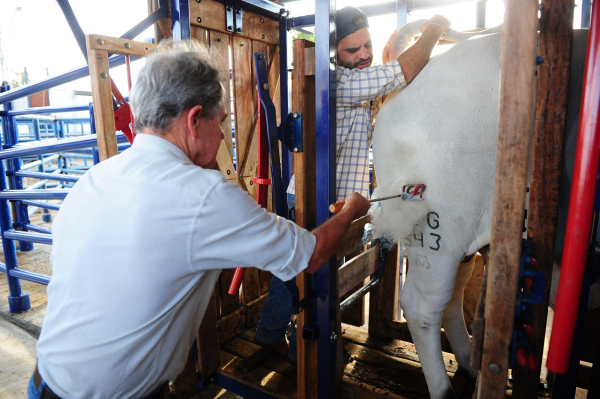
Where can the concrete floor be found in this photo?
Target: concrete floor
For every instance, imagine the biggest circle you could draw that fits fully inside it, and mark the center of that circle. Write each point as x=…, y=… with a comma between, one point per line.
x=17, y=351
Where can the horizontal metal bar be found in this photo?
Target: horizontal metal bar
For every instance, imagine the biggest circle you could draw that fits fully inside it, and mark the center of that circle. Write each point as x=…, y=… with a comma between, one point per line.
x=51, y=145
x=359, y=294
x=39, y=204
x=261, y=7
x=38, y=163
x=76, y=155
x=48, y=176
x=57, y=80
x=28, y=237
x=48, y=110
x=236, y=387
x=379, y=9
x=146, y=23
x=37, y=185
x=37, y=229
x=26, y=275
x=33, y=194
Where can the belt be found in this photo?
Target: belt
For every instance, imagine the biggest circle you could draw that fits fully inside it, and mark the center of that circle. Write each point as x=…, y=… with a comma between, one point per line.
x=47, y=393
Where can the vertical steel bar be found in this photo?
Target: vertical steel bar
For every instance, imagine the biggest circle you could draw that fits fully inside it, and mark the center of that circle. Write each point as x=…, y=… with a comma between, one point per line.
x=286, y=156
x=401, y=13
x=480, y=15
x=586, y=13
x=580, y=209
x=326, y=280
x=180, y=19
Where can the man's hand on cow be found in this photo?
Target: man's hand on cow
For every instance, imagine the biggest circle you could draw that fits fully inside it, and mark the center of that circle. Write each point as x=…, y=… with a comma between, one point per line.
x=385, y=56
x=437, y=19
x=357, y=204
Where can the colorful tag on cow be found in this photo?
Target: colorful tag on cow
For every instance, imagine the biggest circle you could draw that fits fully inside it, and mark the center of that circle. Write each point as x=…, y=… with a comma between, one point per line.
x=413, y=192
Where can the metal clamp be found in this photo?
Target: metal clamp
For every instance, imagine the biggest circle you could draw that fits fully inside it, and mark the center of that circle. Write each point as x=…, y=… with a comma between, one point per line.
x=229, y=15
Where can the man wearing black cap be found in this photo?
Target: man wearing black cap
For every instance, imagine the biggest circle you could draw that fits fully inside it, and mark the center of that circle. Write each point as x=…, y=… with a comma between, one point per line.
x=360, y=91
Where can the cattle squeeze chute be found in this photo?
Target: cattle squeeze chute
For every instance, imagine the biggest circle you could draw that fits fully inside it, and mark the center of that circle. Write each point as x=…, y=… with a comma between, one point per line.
x=442, y=131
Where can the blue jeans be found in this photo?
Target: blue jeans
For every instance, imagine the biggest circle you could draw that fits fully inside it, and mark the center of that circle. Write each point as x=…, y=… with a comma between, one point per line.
x=277, y=311
x=32, y=391
x=275, y=317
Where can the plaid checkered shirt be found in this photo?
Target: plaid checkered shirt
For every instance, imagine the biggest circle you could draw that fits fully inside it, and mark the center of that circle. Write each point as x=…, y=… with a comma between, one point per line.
x=359, y=93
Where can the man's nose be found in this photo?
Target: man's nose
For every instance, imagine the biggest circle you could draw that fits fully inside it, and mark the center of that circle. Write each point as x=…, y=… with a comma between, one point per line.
x=364, y=54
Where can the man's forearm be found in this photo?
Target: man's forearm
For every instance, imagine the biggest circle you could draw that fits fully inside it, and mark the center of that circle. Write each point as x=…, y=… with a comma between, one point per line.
x=416, y=57
x=329, y=236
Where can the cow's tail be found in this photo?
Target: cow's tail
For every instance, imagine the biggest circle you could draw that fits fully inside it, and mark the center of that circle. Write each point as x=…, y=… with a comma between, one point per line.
x=407, y=33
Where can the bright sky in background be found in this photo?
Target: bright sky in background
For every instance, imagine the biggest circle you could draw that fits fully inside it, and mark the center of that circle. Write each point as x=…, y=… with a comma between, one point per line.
x=37, y=36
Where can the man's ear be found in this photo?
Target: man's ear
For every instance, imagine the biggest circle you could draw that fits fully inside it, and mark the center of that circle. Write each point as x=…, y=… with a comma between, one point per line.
x=193, y=118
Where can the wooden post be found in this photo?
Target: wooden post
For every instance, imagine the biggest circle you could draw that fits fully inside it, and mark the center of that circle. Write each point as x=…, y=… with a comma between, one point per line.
x=303, y=167
x=98, y=49
x=514, y=138
x=556, y=35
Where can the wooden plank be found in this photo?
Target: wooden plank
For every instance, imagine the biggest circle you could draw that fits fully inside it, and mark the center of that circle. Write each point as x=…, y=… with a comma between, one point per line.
x=358, y=269
x=250, y=289
x=303, y=167
x=309, y=61
x=253, y=308
x=244, y=349
x=230, y=325
x=244, y=109
x=514, y=138
x=220, y=50
x=115, y=45
x=383, y=300
x=225, y=162
x=352, y=389
x=556, y=35
x=199, y=34
x=103, y=106
x=260, y=378
x=228, y=303
x=186, y=382
x=355, y=313
x=210, y=14
x=397, y=347
x=396, y=329
x=208, y=341
x=352, y=241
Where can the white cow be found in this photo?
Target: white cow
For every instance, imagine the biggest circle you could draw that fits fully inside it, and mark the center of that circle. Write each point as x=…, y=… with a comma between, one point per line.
x=441, y=131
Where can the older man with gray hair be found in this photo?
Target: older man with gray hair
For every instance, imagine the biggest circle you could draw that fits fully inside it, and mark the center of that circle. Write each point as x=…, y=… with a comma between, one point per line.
x=142, y=237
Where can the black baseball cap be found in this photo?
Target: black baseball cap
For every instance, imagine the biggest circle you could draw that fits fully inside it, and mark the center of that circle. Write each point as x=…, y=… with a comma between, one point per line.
x=348, y=20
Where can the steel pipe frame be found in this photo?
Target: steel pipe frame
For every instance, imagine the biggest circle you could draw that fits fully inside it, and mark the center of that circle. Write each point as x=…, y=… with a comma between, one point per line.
x=83, y=71
x=401, y=7
x=14, y=195
x=48, y=176
x=39, y=204
x=28, y=237
x=26, y=275
x=47, y=110
x=326, y=276
x=56, y=145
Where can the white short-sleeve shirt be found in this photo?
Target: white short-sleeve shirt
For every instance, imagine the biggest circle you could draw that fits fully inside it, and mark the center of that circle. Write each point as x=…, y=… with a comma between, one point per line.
x=138, y=245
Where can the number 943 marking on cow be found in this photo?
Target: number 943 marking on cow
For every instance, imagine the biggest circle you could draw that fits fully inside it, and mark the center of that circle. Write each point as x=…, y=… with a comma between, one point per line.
x=433, y=240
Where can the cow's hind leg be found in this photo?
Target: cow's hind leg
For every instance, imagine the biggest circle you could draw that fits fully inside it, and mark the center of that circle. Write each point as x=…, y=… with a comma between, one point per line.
x=453, y=322
x=427, y=290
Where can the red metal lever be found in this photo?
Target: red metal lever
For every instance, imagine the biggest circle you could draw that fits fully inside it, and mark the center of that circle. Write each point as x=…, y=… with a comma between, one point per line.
x=262, y=185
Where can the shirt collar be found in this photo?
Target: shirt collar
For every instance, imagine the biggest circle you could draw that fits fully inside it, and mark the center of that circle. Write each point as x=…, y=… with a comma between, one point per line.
x=155, y=143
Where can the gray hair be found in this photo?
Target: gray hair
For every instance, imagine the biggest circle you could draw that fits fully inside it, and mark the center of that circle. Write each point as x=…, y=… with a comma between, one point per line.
x=175, y=78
